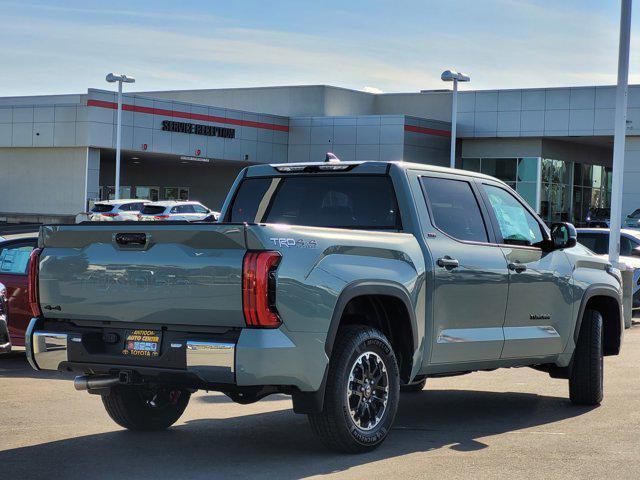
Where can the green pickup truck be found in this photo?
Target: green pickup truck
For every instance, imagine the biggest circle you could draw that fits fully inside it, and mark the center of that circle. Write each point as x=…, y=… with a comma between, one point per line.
x=338, y=283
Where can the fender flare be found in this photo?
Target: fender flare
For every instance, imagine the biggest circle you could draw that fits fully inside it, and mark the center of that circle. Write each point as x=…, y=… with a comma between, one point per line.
x=313, y=402
x=369, y=287
x=596, y=291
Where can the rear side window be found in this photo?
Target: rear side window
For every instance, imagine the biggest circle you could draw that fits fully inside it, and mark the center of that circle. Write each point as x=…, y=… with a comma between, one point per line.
x=353, y=201
x=455, y=208
x=152, y=209
x=102, y=208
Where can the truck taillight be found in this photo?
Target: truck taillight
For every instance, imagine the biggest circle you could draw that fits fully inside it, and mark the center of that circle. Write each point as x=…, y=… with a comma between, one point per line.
x=258, y=289
x=32, y=288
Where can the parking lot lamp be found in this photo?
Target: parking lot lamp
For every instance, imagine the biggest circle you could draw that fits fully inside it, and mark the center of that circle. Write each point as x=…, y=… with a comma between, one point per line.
x=112, y=78
x=455, y=77
x=619, y=132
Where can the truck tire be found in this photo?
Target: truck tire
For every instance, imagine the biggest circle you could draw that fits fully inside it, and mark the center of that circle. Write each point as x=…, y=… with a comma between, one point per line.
x=139, y=408
x=587, y=374
x=415, y=387
x=362, y=392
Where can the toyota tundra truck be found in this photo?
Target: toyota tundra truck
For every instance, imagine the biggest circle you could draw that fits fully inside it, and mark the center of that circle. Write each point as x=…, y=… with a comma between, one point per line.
x=338, y=283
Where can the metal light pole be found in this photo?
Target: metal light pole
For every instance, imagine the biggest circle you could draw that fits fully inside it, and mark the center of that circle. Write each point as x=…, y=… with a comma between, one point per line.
x=455, y=77
x=112, y=78
x=620, y=129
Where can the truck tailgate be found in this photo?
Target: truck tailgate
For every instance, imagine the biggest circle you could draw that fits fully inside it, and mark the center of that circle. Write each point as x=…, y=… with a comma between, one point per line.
x=143, y=273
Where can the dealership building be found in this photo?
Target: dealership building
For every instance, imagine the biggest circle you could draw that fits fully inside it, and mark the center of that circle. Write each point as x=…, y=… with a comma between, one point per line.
x=553, y=145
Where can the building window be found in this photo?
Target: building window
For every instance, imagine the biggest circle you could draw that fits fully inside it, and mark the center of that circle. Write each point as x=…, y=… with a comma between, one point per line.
x=108, y=193
x=176, y=193
x=148, y=193
x=521, y=174
x=555, y=190
x=591, y=190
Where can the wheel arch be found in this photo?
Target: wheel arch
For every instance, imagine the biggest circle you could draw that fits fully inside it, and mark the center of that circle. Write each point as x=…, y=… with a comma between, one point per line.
x=313, y=402
x=606, y=300
x=385, y=291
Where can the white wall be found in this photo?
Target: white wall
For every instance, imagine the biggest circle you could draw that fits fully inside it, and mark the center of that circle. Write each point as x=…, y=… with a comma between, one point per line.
x=296, y=100
x=47, y=181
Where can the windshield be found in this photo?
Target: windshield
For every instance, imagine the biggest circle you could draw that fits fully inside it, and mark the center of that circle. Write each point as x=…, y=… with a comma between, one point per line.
x=327, y=201
x=635, y=214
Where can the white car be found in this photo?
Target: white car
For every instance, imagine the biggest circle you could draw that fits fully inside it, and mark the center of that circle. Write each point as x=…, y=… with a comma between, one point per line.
x=176, y=210
x=116, y=210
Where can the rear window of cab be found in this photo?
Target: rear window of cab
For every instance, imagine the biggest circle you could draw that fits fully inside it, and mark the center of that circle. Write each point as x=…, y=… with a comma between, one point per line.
x=350, y=201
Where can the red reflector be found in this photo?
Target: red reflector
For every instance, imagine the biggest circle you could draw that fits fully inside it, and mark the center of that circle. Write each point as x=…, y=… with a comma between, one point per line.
x=32, y=287
x=110, y=214
x=258, y=310
x=161, y=217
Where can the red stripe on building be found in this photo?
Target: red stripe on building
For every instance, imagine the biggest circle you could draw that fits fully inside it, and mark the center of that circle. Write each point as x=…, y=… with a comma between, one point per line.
x=427, y=131
x=188, y=116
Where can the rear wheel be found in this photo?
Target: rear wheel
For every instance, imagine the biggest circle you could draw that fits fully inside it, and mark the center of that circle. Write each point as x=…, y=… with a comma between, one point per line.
x=586, y=383
x=141, y=408
x=362, y=392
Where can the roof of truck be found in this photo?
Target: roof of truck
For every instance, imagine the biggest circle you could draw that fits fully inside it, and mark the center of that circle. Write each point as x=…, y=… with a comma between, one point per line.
x=377, y=163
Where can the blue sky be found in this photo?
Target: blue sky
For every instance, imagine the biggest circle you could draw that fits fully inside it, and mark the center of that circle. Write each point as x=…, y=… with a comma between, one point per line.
x=64, y=47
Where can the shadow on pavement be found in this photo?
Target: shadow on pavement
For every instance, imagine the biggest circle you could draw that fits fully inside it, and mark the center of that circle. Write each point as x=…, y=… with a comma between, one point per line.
x=280, y=444
x=15, y=365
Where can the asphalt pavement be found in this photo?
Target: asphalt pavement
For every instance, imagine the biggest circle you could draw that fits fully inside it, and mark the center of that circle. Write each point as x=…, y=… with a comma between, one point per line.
x=515, y=423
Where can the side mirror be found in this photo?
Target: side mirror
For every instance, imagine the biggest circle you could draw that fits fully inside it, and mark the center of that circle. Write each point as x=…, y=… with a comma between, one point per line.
x=563, y=235
x=635, y=252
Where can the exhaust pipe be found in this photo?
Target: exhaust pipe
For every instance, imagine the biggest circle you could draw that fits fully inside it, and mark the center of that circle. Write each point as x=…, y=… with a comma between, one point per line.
x=94, y=382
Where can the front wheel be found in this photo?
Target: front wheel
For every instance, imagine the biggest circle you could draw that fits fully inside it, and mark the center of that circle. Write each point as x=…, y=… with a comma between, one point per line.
x=362, y=392
x=144, y=408
x=586, y=385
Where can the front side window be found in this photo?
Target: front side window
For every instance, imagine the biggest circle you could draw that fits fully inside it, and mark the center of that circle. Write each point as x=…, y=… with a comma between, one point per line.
x=517, y=225
x=353, y=201
x=14, y=259
x=455, y=209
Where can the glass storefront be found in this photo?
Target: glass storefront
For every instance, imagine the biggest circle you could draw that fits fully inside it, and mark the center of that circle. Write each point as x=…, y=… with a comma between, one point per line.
x=521, y=174
x=557, y=190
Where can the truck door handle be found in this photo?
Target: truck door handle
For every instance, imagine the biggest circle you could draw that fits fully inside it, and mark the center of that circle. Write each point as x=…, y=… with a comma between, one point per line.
x=448, y=262
x=517, y=267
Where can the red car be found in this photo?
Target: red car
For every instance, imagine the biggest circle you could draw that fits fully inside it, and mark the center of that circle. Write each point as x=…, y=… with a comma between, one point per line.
x=14, y=261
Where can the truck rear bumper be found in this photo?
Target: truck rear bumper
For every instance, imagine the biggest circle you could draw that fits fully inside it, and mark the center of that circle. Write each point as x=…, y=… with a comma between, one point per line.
x=243, y=358
x=209, y=360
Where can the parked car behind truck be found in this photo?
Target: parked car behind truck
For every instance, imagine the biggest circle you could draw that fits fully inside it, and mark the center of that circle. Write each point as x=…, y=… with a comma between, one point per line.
x=335, y=283
x=14, y=262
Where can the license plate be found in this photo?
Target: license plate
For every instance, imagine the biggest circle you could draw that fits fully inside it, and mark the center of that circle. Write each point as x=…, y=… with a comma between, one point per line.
x=142, y=343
